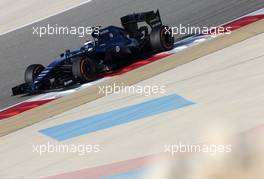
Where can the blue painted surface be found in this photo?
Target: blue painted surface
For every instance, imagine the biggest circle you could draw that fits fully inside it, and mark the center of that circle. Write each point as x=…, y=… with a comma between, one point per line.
x=136, y=174
x=116, y=117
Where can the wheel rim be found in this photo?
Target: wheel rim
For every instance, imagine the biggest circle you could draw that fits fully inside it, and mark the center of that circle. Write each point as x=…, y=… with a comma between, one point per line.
x=86, y=69
x=37, y=71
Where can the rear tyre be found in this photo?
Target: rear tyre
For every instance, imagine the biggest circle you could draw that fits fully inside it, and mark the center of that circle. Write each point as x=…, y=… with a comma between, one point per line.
x=32, y=72
x=83, y=70
x=161, y=39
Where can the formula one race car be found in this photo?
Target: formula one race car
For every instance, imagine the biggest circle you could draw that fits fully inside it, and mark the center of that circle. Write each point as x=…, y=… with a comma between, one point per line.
x=111, y=48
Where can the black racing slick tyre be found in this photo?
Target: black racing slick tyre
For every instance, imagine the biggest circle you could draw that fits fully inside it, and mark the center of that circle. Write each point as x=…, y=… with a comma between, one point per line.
x=161, y=39
x=32, y=72
x=83, y=70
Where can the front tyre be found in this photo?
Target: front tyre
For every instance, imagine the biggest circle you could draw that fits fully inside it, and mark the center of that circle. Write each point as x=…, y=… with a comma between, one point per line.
x=83, y=70
x=161, y=39
x=32, y=72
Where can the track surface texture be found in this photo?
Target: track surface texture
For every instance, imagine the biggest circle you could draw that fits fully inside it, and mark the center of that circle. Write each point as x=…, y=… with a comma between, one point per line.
x=20, y=48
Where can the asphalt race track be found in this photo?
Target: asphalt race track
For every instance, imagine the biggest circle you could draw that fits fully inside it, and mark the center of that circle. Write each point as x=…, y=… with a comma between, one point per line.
x=20, y=48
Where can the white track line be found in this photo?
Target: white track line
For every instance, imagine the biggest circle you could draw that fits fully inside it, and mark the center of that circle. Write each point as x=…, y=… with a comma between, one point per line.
x=258, y=12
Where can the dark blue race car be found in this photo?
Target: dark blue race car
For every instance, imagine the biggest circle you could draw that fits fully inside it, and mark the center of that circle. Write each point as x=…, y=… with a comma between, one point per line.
x=111, y=48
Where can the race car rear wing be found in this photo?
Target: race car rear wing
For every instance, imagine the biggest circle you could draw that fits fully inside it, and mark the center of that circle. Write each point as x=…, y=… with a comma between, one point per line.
x=130, y=22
